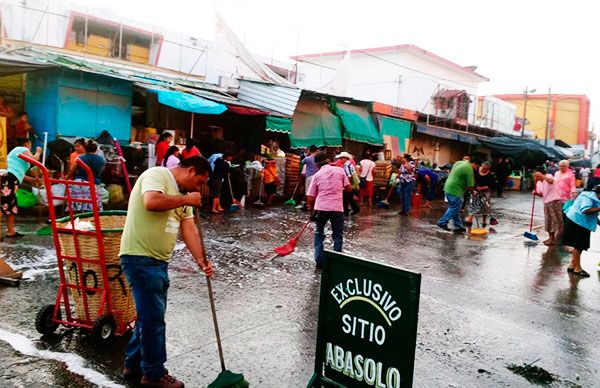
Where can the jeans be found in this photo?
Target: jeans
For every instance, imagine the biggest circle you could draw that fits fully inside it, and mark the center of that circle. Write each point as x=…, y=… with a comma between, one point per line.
x=453, y=212
x=337, y=227
x=149, y=283
x=407, y=189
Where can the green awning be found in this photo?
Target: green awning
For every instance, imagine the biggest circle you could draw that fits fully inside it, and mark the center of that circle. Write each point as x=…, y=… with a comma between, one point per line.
x=313, y=123
x=358, y=124
x=279, y=124
x=396, y=132
x=394, y=127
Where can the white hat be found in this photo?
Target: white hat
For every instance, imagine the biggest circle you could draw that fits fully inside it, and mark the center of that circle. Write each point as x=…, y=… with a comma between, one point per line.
x=344, y=154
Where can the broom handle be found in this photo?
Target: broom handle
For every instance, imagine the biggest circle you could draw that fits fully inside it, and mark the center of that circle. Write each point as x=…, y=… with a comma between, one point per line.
x=532, y=209
x=230, y=188
x=302, y=230
x=389, y=193
x=211, y=296
x=295, y=188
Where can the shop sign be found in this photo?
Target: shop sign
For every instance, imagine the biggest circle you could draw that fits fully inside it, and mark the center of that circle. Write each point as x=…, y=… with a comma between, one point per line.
x=367, y=327
x=395, y=111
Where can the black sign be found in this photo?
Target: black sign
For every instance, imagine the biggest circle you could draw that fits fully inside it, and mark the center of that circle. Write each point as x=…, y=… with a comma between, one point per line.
x=367, y=328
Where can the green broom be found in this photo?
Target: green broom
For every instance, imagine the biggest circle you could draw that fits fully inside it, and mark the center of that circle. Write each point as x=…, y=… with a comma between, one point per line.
x=225, y=379
x=291, y=201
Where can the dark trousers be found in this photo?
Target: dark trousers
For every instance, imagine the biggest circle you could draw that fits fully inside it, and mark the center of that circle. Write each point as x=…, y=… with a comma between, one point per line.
x=149, y=283
x=500, y=185
x=350, y=202
x=337, y=228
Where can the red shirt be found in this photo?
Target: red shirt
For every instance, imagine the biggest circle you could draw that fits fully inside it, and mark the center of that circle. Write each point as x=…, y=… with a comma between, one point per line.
x=22, y=129
x=161, y=150
x=192, y=152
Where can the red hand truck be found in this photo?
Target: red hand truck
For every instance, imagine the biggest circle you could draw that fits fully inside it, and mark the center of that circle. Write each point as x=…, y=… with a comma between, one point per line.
x=74, y=266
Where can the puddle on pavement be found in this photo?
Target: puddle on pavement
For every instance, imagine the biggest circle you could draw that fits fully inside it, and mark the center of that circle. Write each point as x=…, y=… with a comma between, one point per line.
x=74, y=363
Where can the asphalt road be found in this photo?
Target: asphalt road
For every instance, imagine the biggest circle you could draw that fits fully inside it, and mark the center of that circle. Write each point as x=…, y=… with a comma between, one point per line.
x=485, y=304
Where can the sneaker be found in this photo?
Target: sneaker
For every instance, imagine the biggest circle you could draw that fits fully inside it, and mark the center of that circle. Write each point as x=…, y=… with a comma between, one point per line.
x=444, y=226
x=459, y=230
x=167, y=381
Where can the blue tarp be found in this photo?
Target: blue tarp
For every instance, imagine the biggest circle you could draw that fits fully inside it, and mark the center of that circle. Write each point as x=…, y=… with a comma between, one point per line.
x=188, y=102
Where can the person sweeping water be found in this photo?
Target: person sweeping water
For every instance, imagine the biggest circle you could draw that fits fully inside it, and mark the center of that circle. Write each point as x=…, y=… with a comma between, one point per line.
x=161, y=204
x=581, y=219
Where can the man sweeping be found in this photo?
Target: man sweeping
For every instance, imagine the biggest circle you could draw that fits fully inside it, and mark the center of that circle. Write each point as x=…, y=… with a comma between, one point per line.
x=461, y=179
x=161, y=204
x=325, y=199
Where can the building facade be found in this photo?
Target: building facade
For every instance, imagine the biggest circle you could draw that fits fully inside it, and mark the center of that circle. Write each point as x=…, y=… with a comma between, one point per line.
x=402, y=75
x=562, y=116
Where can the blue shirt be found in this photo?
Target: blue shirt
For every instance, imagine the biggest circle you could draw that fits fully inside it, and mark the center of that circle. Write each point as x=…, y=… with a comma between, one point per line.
x=17, y=166
x=311, y=167
x=95, y=163
x=433, y=176
x=585, y=200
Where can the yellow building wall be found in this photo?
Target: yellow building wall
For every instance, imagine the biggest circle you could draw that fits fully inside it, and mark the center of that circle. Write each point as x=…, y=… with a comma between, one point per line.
x=566, y=123
x=566, y=118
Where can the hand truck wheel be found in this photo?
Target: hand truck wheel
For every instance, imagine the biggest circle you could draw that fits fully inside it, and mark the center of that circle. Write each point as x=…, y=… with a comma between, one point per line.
x=43, y=320
x=104, y=328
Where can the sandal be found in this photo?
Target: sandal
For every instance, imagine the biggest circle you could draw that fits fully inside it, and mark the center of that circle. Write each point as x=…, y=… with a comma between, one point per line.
x=570, y=270
x=581, y=273
x=16, y=235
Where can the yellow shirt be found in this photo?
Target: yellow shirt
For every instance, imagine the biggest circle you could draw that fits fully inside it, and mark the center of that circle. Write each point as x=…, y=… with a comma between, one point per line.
x=152, y=233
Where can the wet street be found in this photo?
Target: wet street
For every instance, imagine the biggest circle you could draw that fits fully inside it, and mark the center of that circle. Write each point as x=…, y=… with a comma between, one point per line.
x=485, y=304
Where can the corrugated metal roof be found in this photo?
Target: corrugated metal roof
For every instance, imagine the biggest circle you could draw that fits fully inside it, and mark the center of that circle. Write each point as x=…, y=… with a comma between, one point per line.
x=35, y=57
x=274, y=98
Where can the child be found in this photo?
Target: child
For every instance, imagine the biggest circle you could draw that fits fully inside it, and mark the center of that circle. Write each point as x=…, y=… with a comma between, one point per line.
x=271, y=179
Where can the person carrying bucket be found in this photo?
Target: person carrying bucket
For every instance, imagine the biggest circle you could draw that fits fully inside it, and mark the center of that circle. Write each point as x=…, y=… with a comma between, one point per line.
x=161, y=204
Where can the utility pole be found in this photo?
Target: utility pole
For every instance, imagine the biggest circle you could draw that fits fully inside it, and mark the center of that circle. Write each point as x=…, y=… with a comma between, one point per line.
x=526, y=92
x=549, y=100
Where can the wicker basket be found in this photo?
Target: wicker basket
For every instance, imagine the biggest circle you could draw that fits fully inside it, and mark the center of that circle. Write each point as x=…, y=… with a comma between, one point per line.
x=112, y=223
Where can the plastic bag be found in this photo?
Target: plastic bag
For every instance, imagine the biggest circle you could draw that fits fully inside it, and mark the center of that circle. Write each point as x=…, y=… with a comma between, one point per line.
x=58, y=190
x=104, y=194
x=25, y=199
x=115, y=193
x=79, y=225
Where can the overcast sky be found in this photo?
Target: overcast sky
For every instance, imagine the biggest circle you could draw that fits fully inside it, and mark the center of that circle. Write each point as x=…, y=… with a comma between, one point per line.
x=514, y=43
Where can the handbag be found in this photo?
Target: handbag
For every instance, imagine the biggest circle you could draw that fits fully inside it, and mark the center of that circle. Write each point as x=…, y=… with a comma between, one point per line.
x=363, y=180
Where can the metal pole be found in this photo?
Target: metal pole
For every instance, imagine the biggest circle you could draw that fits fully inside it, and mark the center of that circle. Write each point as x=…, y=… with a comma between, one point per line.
x=524, y=113
x=120, y=40
x=192, y=127
x=549, y=100
x=85, y=34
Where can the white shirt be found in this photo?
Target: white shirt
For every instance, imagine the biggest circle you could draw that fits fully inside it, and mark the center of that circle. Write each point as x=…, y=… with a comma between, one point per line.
x=585, y=172
x=366, y=169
